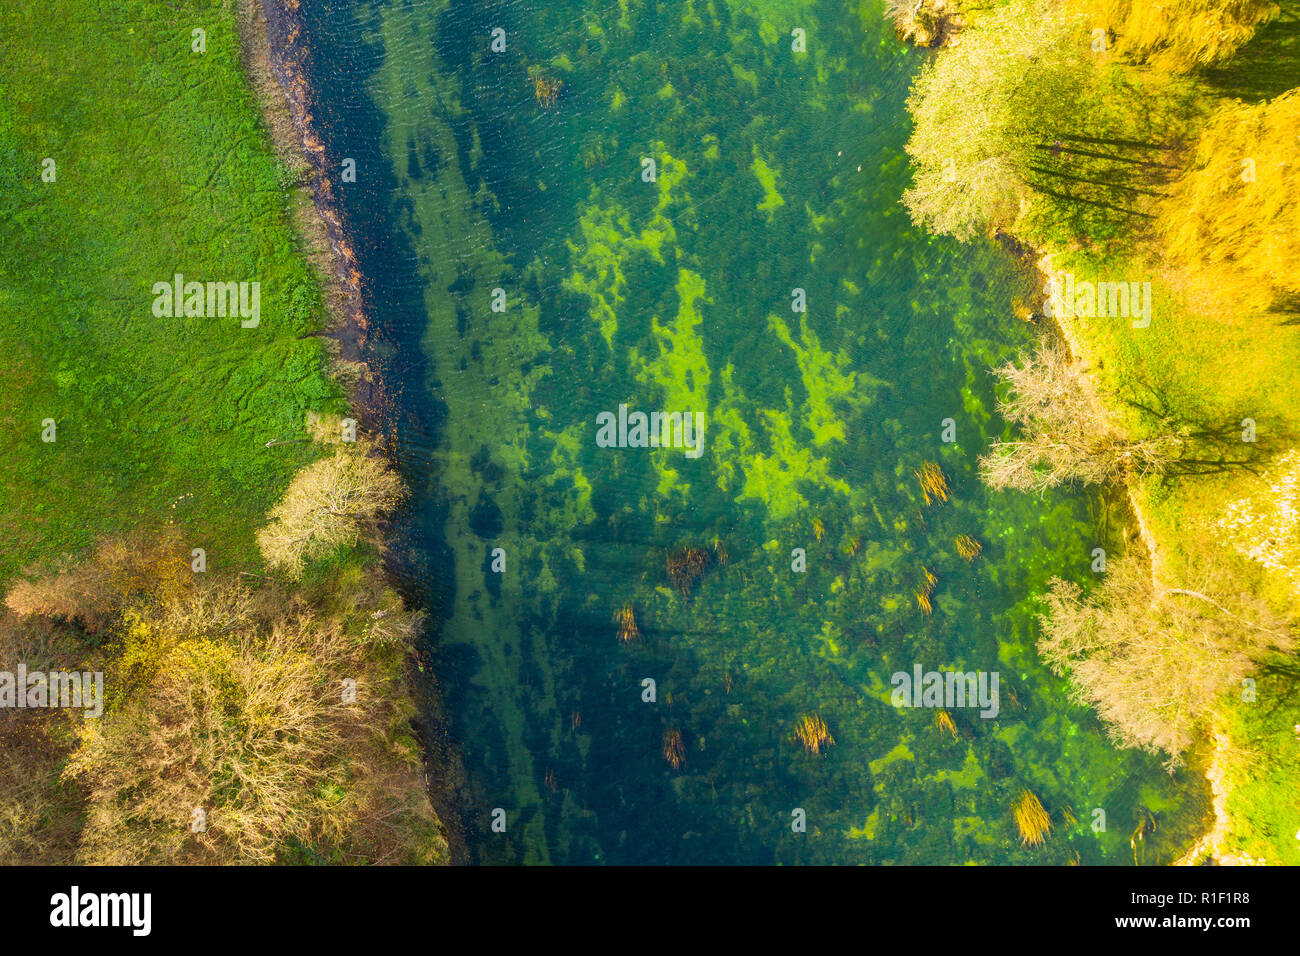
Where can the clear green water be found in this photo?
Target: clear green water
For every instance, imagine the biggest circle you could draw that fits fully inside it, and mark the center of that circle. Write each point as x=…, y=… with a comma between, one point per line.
x=775, y=170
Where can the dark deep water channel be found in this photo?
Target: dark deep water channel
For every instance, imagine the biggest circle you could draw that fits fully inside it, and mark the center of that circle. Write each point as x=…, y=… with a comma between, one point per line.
x=522, y=170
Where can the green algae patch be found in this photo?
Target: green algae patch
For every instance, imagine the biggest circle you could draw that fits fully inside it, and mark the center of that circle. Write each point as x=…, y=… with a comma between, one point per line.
x=868, y=829
x=827, y=381
x=967, y=777
x=900, y=752
x=766, y=177
x=680, y=370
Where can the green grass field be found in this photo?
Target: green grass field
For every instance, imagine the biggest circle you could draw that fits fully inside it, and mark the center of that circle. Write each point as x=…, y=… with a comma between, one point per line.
x=162, y=165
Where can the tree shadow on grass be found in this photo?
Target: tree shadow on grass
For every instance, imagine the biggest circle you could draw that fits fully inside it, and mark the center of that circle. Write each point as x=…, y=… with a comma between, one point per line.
x=1267, y=66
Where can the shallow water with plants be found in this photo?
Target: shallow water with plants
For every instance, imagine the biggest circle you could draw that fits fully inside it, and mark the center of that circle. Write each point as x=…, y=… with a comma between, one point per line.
x=826, y=537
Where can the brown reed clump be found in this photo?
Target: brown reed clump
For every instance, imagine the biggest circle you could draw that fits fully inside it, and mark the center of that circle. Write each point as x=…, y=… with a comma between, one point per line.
x=934, y=484
x=812, y=732
x=546, y=91
x=943, y=720
x=686, y=566
x=1032, y=821
x=968, y=547
x=925, y=590
x=720, y=552
x=674, y=749
x=626, y=621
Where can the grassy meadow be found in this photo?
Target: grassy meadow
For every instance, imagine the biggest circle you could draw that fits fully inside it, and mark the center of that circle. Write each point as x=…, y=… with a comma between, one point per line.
x=161, y=165
x=132, y=149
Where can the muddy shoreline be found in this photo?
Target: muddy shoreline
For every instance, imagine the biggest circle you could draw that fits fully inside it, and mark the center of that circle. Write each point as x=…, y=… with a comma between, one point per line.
x=275, y=61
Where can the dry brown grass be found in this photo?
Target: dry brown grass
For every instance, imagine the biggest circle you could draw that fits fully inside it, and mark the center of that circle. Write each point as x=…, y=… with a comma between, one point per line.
x=546, y=91
x=625, y=618
x=926, y=588
x=687, y=565
x=934, y=484
x=674, y=750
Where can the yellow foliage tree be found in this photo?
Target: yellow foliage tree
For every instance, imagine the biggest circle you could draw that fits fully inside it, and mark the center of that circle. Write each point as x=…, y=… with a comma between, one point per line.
x=93, y=592
x=1231, y=228
x=1177, y=37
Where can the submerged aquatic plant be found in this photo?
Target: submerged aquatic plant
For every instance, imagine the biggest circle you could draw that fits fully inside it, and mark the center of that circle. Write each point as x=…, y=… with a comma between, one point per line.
x=546, y=90
x=686, y=566
x=968, y=547
x=812, y=732
x=626, y=621
x=674, y=749
x=1032, y=821
x=1146, y=824
x=934, y=483
x=925, y=590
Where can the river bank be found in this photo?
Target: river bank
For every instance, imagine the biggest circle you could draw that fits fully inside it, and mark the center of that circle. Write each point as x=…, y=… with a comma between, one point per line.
x=1204, y=374
x=275, y=56
x=1210, y=843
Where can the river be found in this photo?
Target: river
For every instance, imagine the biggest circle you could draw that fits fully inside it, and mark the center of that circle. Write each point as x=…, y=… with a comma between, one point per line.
x=562, y=208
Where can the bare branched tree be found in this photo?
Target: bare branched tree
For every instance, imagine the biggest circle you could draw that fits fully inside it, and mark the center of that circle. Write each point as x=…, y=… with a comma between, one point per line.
x=1151, y=659
x=1068, y=435
x=328, y=503
x=928, y=23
